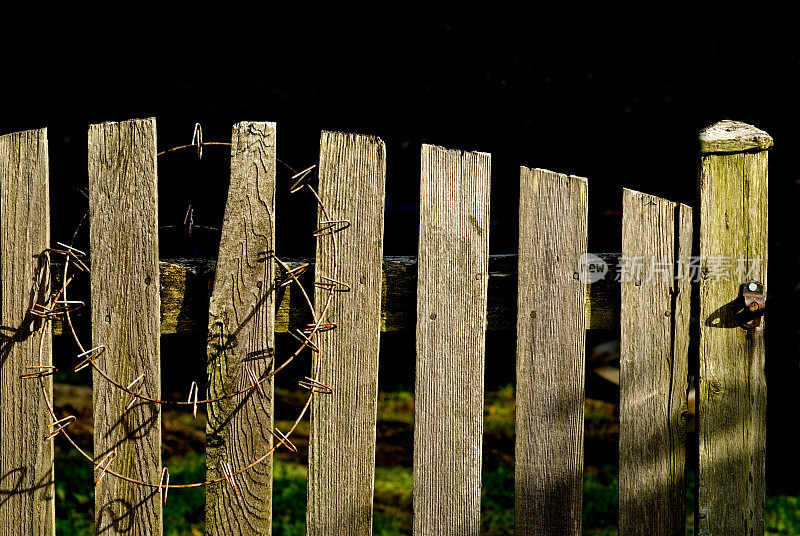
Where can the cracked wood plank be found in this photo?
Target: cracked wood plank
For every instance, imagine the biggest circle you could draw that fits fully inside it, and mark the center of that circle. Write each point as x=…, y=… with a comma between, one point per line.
x=241, y=325
x=656, y=292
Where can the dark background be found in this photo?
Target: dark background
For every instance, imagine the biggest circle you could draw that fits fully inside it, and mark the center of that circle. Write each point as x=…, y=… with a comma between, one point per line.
x=619, y=103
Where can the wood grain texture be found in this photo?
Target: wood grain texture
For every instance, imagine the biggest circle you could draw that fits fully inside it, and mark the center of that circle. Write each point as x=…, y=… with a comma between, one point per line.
x=656, y=246
x=550, y=353
x=732, y=387
x=186, y=283
x=240, y=335
x=341, y=454
x=27, y=504
x=123, y=242
x=451, y=323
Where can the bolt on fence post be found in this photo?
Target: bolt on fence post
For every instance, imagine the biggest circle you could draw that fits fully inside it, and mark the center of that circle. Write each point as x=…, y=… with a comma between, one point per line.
x=732, y=386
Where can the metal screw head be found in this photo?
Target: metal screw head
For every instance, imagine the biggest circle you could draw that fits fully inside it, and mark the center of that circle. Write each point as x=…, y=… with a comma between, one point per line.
x=753, y=287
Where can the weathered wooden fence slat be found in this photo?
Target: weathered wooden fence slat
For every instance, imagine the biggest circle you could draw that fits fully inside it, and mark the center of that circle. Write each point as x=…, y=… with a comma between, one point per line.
x=550, y=353
x=341, y=454
x=656, y=292
x=732, y=386
x=451, y=322
x=241, y=337
x=27, y=491
x=125, y=299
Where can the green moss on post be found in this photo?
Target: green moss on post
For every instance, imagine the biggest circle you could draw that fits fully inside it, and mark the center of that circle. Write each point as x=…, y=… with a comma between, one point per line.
x=732, y=388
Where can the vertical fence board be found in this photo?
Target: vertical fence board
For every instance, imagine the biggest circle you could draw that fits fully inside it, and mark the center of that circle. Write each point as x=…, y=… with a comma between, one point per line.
x=656, y=234
x=451, y=323
x=126, y=303
x=27, y=503
x=241, y=335
x=732, y=387
x=551, y=328
x=341, y=455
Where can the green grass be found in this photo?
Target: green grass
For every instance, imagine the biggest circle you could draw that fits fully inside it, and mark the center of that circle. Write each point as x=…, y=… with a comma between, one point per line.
x=782, y=514
x=393, y=487
x=185, y=510
x=600, y=494
x=499, y=411
x=184, y=513
x=289, y=498
x=74, y=494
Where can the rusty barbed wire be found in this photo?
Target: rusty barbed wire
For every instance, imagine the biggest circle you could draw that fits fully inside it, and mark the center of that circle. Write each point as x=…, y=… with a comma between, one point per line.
x=57, y=305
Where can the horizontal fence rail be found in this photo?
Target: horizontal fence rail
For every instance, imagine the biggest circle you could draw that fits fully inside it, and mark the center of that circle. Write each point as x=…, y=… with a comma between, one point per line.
x=185, y=284
x=447, y=297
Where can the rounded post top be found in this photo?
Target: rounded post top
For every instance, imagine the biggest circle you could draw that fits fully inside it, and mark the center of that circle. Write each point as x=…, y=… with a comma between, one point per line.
x=733, y=137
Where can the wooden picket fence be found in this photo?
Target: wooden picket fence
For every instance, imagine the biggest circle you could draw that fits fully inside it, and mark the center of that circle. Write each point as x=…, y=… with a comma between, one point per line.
x=459, y=292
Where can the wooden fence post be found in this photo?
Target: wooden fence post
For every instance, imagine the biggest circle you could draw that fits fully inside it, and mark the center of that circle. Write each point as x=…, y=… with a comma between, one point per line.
x=123, y=241
x=732, y=388
x=27, y=503
x=341, y=450
x=240, y=336
x=451, y=324
x=551, y=329
x=656, y=292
